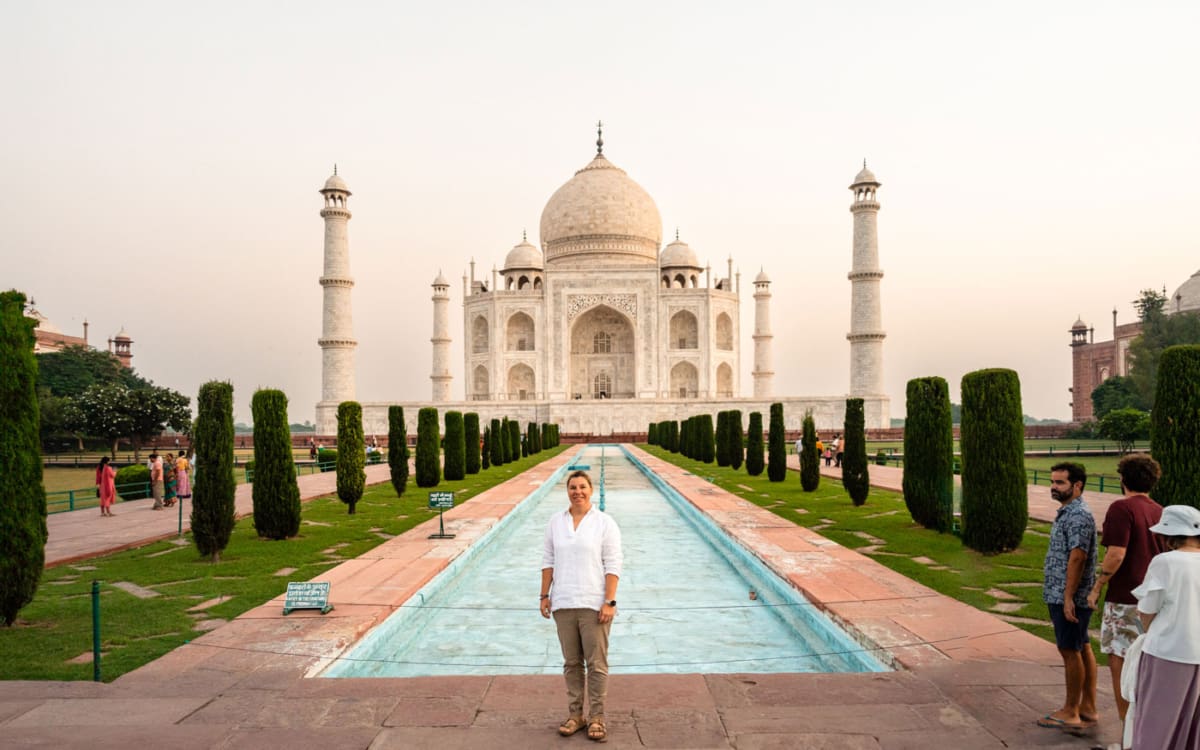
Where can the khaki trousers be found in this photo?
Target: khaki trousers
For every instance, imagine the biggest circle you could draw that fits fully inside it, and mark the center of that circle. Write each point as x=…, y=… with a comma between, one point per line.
x=584, y=641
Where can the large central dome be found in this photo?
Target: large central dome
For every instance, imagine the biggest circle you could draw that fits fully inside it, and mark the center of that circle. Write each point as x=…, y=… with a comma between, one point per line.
x=603, y=214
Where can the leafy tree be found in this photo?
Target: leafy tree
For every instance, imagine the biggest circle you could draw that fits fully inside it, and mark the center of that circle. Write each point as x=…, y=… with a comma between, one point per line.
x=352, y=455
x=485, y=453
x=455, y=452
x=397, y=449
x=754, y=445
x=55, y=418
x=213, y=492
x=22, y=494
x=1118, y=392
x=496, y=447
x=733, y=424
x=1159, y=331
x=73, y=369
x=514, y=438
x=1125, y=426
x=929, y=454
x=1150, y=302
x=1175, y=427
x=471, y=439
x=856, y=476
x=776, y=446
x=995, y=498
x=275, y=494
x=810, y=462
x=429, y=473
x=113, y=411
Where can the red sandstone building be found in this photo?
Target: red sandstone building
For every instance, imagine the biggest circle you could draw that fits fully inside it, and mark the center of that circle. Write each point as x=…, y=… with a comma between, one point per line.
x=50, y=338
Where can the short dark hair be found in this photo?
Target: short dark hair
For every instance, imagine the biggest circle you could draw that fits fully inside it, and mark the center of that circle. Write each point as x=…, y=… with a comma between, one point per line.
x=1139, y=472
x=1075, y=472
x=580, y=473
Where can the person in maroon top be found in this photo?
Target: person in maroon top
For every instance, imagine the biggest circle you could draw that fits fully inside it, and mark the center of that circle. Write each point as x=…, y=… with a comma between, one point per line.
x=1129, y=546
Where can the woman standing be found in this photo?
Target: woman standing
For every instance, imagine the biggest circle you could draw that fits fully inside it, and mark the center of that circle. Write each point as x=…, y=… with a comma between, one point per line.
x=183, y=480
x=581, y=563
x=1167, y=716
x=106, y=486
x=169, y=480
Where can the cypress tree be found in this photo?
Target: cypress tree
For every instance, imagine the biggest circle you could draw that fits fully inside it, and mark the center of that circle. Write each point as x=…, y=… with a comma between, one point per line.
x=397, y=449
x=929, y=453
x=810, y=460
x=429, y=472
x=855, y=474
x=495, y=437
x=514, y=438
x=776, y=446
x=685, y=440
x=754, y=445
x=485, y=453
x=531, y=438
x=995, y=500
x=1175, y=426
x=22, y=494
x=275, y=494
x=212, y=495
x=652, y=434
x=736, y=446
x=707, y=454
x=471, y=439
x=546, y=436
x=675, y=429
x=722, y=438
x=506, y=447
x=352, y=456
x=455, y=452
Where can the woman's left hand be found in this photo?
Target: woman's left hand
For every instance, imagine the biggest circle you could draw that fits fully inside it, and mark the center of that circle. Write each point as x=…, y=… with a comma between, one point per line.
x=607, y=613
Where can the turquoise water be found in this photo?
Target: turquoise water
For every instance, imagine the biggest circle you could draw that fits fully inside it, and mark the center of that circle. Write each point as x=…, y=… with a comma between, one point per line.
x=684, y=598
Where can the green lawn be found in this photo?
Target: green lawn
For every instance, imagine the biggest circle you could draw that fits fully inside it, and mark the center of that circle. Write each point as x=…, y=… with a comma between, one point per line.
x=981, y=581
x=56, y=626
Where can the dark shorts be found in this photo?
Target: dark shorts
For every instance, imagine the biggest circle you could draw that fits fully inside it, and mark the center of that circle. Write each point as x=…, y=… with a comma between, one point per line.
x=1070, y=636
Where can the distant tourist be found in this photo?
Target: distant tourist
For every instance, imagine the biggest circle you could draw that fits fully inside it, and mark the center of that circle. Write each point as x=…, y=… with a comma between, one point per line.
x=106, y=488
x=581, y=565
x=1166, y=713
x=156, y=481
x=183, y=478
x=837, y=451
x=1069, y=572
x=799, y=445
x=1129, y=546
x=169, y=483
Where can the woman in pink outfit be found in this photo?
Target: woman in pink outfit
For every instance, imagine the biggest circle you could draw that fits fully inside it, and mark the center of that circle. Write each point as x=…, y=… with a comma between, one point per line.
x=106, y=487
x=183, y=481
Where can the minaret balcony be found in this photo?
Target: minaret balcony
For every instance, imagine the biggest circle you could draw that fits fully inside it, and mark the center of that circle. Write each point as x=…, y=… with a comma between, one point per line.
x=865, y=275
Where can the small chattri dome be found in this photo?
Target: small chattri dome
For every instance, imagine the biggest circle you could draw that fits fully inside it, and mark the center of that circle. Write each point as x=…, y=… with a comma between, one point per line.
x=1079, y=325
x=440, y=280
x=122, y=335
x=1186, y=297
x=762, y=278
x=523, y=256
x=336, y=183
x=678, y=254
x=865, y=176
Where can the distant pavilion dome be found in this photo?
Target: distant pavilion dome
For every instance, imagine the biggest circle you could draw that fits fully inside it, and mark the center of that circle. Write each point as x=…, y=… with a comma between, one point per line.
x=122, y=335
x=678, y=254
x=522, y=257
x=1079, y=325
x=1186, y=297
x=601, y=217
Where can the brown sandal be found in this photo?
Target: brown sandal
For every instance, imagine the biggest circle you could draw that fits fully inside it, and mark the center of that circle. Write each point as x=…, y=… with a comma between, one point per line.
x=596, y=731
x=571, y=726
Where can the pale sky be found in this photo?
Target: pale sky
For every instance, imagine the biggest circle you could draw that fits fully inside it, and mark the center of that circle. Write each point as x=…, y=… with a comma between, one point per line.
x=1038, y=163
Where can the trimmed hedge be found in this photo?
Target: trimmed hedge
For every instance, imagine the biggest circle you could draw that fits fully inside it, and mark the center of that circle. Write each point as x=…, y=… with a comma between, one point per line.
x=722, y=438
x=754, y=445
x=776, y=446
x=471, y=441
x=995, y=498
x=533, y=437
x=810, y=460
x=135, y=479
x=495, y=443
x=212, y=495
x=485, y=453
x=327, y=459
x=652, y=434
x=1175, y=426
x=707, y=447
x=352, y=456
x=506, y=445
x=397, y=449
x=454, y=454
x=735, y=443
x=514, y=438
x=856, y=476
x=275, y=493
x=929, y=453
x=428, y=470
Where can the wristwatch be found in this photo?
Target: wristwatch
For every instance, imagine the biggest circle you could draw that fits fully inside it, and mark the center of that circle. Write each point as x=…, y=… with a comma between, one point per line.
x=612, y=603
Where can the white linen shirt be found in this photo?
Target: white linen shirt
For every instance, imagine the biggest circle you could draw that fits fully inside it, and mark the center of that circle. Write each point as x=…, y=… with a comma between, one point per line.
x=1171, y=591
x=580, y=558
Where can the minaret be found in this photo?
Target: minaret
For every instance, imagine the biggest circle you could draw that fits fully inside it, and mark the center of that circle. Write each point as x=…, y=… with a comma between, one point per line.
x=337, y=321
x=866, y=321
x=441, y=340
x=762, y=336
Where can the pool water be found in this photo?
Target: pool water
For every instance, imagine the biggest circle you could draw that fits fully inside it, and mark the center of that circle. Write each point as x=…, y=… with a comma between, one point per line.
x=684, y=596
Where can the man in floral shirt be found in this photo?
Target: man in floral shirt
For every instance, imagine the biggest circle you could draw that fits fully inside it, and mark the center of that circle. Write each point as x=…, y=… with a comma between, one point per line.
x=1069, y=573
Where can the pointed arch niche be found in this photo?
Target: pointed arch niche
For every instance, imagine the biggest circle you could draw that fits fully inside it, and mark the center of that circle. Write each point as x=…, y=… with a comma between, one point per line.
x=685, y=380
x=521, y=383
x=602, y=345
x=519, y=336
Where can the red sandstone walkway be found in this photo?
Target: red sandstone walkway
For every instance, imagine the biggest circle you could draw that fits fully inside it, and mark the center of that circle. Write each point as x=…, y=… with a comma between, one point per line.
x=970, y=680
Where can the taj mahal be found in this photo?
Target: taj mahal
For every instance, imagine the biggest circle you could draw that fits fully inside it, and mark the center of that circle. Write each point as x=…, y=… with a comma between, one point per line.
x=600, y=328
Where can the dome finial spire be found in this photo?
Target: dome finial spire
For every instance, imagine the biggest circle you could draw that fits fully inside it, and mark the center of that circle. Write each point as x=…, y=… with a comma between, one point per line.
x=864, y=163
x=524, y=236
x=599, y=137
x=335, y=169
x=677, y=234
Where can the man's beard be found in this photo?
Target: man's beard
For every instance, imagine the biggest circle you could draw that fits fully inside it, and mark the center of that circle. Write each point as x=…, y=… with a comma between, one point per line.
x=1058, y=496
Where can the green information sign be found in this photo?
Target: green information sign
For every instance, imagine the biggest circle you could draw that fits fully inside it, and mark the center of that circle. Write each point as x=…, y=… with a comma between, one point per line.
x=307, y=595
x=441, y=501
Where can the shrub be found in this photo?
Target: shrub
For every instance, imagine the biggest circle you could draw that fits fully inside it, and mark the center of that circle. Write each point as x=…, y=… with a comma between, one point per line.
x=327, y=459
x=855, y=475
x=275, y=494
x=485, y=453
x=754, y=445
x=22, y=494
x=674, y=429
x=533, y=438
x=397, y=449
x=685, y=437
x=506, y=446
x=722, y=437
x=351, y=478
x=455, y=451
x=652, y=434
x=995, y=499
x=514, y=438
x=929, y=453
x=494, y=443
x=471, y=441
x=1175, y=426
x=133, y=482
x=810, y=460
x=881, y=457
x=213, y=493
x=546, y=436
x=776, y=446
x=429, y=473
x=707, y=446
x=736, y=446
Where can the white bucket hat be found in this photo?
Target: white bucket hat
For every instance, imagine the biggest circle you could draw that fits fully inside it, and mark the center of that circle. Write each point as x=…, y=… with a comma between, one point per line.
x=1178, y=520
